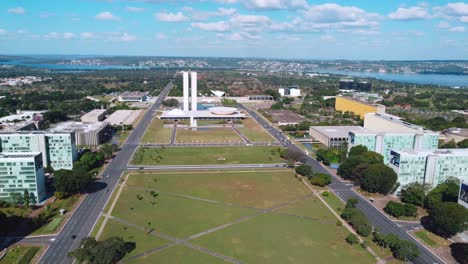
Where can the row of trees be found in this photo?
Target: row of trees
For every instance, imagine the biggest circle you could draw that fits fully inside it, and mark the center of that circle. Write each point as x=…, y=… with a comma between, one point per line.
x=319, y=179
x=367, y=168
x=302, y=126
x=446, y=216
x=401, y=249
x=69, y=182
x=397, y=209
x=356, y=218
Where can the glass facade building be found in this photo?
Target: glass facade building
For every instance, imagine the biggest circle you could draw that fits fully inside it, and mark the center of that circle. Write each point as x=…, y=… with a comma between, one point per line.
x=429, y=167
x=20, y=172
x=58, y=149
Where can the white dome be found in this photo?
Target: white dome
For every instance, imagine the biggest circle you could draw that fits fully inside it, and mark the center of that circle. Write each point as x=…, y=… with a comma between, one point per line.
x=222, y=110
x=176, y=112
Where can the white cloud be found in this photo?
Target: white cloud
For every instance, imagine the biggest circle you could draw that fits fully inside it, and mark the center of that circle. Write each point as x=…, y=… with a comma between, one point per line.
x=3, y=31
x=226, y=1
x=238, y=36
x=452, y=10
x=106, y=15
x=457, y=29
x=226, y=11
x=171, y=17
x=213, y=26
x=196, y=15
x=334, y=13
x=68, y=35
x=443, y=24
x=161, y=36
x=464, y=19
x=328, y=38
x=125, y=37
x=87, y=35
x=363, y=32
x=17, y=10
x=274, y=4
x=134, y=9
x=410, y=13
x=250, y=22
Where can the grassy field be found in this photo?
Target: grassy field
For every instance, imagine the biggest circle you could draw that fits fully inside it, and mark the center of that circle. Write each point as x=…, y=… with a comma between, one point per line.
x=56, y=221
x=334, y=201
x=19, y=254
x=254, y=132
x=261, y=189
x=207, y=135
x=225, y=210
x=156, y=133
x=143, y=240
x=207, y=155
x=281, y=239
x=430, y=238
x=178, y=254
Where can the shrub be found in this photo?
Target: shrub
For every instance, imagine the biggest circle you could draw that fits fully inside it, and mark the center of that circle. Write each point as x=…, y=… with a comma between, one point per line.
x=320, y=179
x=303, y=170
x=352, y=202
x=352, y=239
x=325, y=193
x=358, y=221
x=399, y=209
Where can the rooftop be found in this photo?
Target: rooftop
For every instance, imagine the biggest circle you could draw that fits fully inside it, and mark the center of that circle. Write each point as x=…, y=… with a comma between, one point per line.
x=95, y=113
x=178, y=113
x=399, y=121
x=79, y=127
x=7, y=155
x=358, y=101
x=33, y=132
x=462, y=132
x=338, y=131
x=134, y=94
x=437, y=152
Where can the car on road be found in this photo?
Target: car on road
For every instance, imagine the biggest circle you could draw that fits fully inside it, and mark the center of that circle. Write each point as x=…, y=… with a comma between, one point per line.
x=73, y=236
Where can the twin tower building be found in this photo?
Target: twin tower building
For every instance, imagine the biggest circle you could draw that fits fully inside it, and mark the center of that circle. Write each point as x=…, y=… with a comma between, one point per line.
x=190, y=77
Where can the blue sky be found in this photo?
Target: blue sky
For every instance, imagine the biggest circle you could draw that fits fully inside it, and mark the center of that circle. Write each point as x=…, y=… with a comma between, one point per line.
x=365, y=29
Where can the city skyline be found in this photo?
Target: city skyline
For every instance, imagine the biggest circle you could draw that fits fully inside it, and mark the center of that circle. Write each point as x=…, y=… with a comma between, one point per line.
x=408, y=30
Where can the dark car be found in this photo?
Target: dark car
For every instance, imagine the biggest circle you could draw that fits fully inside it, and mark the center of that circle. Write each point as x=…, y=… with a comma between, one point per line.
x=73, y=236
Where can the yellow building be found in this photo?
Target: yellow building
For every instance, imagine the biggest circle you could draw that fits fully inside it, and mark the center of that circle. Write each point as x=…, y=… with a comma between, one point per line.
x=360, y=108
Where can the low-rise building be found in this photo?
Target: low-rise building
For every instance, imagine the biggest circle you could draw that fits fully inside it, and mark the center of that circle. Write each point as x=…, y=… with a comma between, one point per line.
x=133, y=97
x=86, y=134
x=290, y=91
x=20, y=172
x=333, y=136
x=261, y=98
x=389, y=123
x=94, y=116
x=123, y=117
x=360, y=108
x=430, y=167
x=58, y=149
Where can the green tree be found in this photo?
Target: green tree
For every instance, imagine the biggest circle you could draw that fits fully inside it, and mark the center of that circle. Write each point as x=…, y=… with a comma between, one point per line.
x=463, y=143
x=449, y=218
x=414, y=193
x=26, y=198
x=460, y=252
x=320, y=179
x=16, y=198
x=357, y=220
x=71, y=182
x=352, y=202
x=346, y=169
x=405, y=250
x=276, y=95
x=357, y=150
x=107, y=150
x=444, y=192
x=449, y=145
x=399, y=209
x=108, y=251
x=378, y=178
x=303, y=170
x=352, y=239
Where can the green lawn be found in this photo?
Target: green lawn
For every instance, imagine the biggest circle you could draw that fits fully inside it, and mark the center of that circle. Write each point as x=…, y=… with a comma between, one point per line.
x=254, y=132
x=283, y=239
x=178, y=254
x=143, y=240
x=261, y=189
x=334, y=201
x=156, y=133
x=207, y=135
x=206, y=155
x=175, y=216
x=97, y=226
x=184, y=203
x=57, y=219
x=427, y=237
x=19, y=254
x=312, y=208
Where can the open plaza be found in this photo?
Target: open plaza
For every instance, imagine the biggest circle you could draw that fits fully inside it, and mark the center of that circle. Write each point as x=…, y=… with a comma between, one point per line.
x=243, y=216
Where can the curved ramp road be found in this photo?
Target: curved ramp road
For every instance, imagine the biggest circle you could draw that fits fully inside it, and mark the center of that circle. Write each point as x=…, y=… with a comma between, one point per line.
x=82, y=221
x=345, y=191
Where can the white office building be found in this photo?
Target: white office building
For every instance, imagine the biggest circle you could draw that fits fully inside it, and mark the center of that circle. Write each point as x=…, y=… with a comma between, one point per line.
x=290, y=91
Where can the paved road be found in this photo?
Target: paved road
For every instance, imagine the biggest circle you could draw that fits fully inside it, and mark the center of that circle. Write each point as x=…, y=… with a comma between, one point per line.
x=82, y=221
x=205, y=167
x=345, y=191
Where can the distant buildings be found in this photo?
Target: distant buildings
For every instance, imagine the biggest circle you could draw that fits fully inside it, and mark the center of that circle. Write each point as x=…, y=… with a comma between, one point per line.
x=20, y=172
x=333, y=136
x=430, y=167
x=290, y=91
x=360, y=108
x=86, y=134
x=94, y=116
x=22, y=80
x=351, y=84
x=218, y=93
x=261, y=98
x=456, y=134
x=133, y=97
x=58, y=149
x=22, y=120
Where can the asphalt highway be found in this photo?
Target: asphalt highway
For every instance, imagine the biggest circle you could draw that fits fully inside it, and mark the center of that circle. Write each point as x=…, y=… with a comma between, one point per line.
x=82, y=221
x=345, y=191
